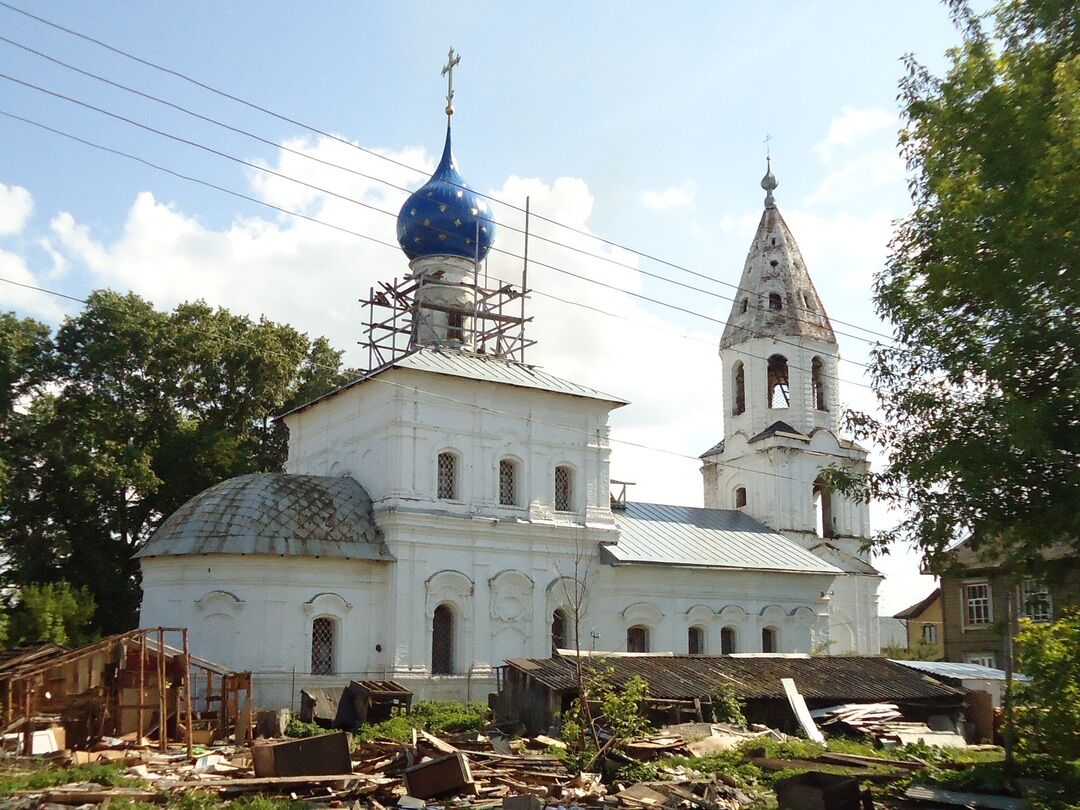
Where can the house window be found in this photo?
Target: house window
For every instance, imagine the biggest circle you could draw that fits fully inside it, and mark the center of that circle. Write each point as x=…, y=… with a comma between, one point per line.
x=770, y=642
x=929, y=634
x=1036, y=603
x=727, y=641
x=779, y=393
x=739, y=405
x=564, y=480
x=740, y=497
x=987, y=659
x=817, y=383
x=322, y=646
x=823, y=510
x=977, y=608
x=447, y=472
x=508, y=482
x=637, y=639
x=442, y=641
x=695, y=641
x=560, y=630
x=775, y=302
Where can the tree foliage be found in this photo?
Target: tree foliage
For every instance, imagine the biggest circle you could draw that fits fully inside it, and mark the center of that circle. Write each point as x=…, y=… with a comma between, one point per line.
x=603, y=717
x=1048, y=706
x=981, y=392
x=52, y=612
x=121, y=416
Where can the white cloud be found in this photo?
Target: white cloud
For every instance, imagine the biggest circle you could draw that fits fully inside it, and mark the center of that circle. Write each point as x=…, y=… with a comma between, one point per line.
x=16, y=205
x=15, y=297
x=680, y=196
x=852, y=126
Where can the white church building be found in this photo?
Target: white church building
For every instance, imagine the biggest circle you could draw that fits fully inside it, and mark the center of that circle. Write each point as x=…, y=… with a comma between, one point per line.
x=453, y=507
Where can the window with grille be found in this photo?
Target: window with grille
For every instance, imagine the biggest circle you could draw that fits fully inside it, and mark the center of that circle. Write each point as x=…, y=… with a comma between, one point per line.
x=508, y=482
x=322, y=647
x=977, y=604
x=770, y=641
x=564, y=482
x=1036, y=601
x=727, y=641
x=637, y=639
x=442, y=641
x=929, y=634
x=454, y=326
x=447, y=470
x=695, y=640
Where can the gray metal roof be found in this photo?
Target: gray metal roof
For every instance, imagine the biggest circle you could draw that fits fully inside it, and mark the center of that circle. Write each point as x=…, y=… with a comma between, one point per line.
x=710, y=538
x=951, y=669
x=274, y=513
x=487, y=368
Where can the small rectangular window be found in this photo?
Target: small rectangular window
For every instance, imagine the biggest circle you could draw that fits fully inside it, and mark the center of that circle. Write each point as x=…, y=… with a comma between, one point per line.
x=1036, y=601
x=982, y=659
x=929, y=634
x=977, y=611
x=564, y=479
x=695, y=641
x=447, y=472
x=507, y=482
x=637, y=639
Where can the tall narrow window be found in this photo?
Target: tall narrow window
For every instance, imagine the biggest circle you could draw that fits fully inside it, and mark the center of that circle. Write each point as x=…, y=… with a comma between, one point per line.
x=779, y=393
x=727, y=640
x=447, y=471
x=454, y=323
x=508, y=482
x=740, y=497
x=929, y=634
x=770, y=641
x=739, y=404
x=695, y=640
x=564, y=488
x=1035, y=602
x=823, y=510
x=560, y=628
x=977, y=609
x=322, y=646
x=637, y=639
x=776, y=303
x=442, y=641
x=817, y=383
x=745, y=304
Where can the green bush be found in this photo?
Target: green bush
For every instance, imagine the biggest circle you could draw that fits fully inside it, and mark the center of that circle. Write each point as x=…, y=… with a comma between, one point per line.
x=603, y=708
x=726, y=706
x=433, y=716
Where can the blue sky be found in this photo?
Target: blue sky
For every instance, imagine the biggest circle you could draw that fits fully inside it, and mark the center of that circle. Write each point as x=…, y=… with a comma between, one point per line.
x=641, y=123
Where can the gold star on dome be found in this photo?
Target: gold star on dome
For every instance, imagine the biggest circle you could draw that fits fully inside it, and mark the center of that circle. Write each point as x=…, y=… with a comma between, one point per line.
x=457, y=222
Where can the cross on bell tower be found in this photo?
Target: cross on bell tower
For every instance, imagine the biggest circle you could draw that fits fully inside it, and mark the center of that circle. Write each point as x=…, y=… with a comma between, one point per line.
x=452, y=60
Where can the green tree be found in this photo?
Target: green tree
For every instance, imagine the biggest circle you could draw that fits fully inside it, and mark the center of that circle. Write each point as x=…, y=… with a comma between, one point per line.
x=52, y=611
x=1048, y=706
x=143, y=410
x=980, y=394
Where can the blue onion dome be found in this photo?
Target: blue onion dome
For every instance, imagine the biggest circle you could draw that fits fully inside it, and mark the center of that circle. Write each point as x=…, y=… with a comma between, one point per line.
x=440, y=218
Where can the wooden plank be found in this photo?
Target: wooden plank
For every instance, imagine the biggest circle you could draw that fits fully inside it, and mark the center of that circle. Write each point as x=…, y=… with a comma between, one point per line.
x=961, y=799
x=798, y=705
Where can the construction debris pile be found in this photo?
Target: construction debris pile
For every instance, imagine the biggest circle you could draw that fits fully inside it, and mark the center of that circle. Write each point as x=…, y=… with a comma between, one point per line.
x=884, y=723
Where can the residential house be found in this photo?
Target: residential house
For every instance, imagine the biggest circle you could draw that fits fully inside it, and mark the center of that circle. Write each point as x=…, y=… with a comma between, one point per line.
x=923, y=623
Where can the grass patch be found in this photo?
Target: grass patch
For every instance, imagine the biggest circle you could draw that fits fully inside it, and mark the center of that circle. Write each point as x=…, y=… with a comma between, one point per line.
x=434, y=717
x=110, y=774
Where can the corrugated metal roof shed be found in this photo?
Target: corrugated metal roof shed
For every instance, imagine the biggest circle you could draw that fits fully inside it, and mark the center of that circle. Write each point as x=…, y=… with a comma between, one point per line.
x=486, y=368
x=960, y=672
x=821, y=679
x=274, y=513
x=710, y=538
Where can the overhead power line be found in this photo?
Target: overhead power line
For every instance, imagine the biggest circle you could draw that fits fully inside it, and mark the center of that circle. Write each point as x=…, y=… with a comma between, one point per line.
x=380, y=156
x=369, y=377
x=392, y=245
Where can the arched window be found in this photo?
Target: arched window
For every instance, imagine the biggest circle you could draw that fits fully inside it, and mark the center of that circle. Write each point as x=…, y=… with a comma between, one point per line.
x=823, y=510
x=637, y=639
x=727, y=640
x=442, y=641
x=447, y=474
x=740, y=497
x=776, y=303
x=779, y=392
x=564, y=489
x=695, y=640
x=745, y=304
x=322, y=646
x=739, y=404
x=560, y=630
x=817, y=383
x=508, y=475
x=770, y=640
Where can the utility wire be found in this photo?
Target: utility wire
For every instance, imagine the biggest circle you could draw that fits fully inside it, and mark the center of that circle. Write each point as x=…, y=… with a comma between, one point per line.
x=373, y=376
x=378, y=155
x=309, y=218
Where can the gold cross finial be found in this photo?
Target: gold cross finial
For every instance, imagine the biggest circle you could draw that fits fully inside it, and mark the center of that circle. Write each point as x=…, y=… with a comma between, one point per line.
x=448, y=71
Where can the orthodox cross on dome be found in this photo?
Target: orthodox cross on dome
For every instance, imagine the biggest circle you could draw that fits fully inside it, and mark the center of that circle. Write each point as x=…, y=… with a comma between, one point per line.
x=452, y=60
x=768, y=146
